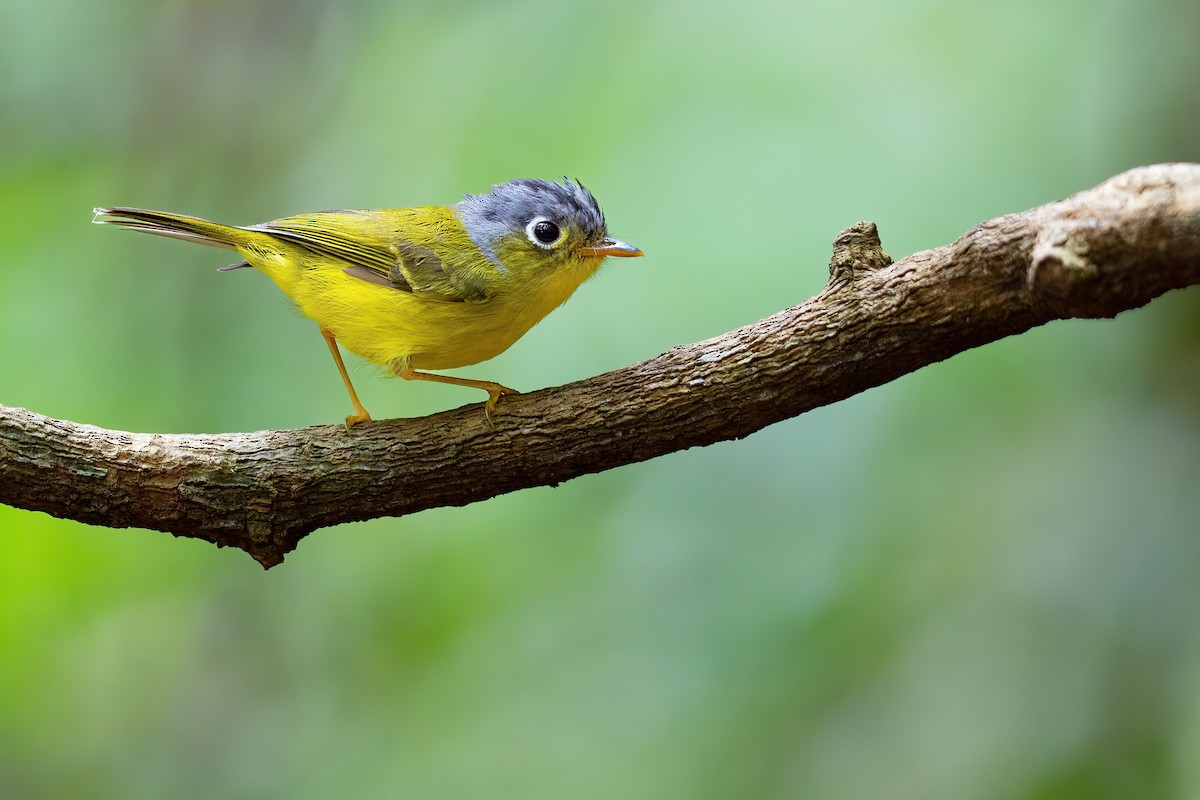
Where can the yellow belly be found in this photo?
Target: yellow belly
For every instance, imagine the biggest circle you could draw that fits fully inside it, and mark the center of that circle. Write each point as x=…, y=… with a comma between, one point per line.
x=384, y=324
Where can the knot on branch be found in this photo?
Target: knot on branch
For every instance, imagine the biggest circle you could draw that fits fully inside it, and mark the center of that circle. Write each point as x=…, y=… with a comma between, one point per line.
x=1060, y=265
x=1108, y=250
x=855, y=250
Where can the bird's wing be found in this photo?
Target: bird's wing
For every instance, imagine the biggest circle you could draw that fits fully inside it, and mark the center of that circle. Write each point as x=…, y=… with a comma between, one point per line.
x=375, y=253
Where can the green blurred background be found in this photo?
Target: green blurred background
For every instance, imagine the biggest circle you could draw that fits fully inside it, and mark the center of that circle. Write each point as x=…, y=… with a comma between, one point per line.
x=982, y=580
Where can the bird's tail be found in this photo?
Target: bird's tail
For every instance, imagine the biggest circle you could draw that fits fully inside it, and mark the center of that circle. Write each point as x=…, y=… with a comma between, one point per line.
x=176, y=226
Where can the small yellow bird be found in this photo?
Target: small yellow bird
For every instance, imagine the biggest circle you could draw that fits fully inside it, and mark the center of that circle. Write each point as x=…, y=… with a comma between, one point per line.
x=434, y=287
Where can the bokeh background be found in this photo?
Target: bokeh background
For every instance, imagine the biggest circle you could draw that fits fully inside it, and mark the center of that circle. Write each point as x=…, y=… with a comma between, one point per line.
x=981, y=580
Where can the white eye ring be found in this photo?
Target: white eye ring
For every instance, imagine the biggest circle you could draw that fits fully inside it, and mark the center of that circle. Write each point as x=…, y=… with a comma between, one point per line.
x=543, y=225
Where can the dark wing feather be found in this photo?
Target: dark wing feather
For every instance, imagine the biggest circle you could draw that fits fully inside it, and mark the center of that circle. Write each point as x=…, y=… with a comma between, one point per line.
x=352, y=236
x=373, y=276
x=374, y=254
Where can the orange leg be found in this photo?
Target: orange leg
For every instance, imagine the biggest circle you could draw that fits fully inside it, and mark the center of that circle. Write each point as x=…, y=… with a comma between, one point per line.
x=360, y=414
x=495, y=391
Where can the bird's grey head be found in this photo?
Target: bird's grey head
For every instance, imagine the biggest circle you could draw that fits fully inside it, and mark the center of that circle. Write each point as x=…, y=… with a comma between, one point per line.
x=546, y=216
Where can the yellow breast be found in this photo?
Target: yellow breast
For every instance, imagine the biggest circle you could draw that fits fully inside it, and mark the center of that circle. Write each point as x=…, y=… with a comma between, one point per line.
x=383, y=324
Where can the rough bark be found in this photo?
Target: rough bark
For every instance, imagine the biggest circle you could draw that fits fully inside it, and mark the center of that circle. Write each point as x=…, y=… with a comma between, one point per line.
x=1095, y=254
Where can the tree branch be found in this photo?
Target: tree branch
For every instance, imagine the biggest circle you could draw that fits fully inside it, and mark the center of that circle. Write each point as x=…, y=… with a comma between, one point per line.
x=1095, y=254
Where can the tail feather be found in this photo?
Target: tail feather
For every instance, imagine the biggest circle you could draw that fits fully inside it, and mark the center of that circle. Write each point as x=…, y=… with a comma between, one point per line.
x=175, y=226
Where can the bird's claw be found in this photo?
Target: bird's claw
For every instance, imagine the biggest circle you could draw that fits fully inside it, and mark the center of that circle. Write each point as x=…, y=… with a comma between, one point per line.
x=489, y=408
x=354, y=419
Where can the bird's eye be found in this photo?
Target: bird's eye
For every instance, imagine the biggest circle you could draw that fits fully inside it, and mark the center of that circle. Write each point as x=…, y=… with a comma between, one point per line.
x=544, y=233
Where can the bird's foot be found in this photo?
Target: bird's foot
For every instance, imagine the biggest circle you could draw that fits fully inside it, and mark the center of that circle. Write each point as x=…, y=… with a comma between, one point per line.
x=495, y=392
x=354, y=419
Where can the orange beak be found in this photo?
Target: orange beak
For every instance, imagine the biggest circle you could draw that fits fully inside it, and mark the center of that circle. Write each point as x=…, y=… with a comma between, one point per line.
x=611, y=247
